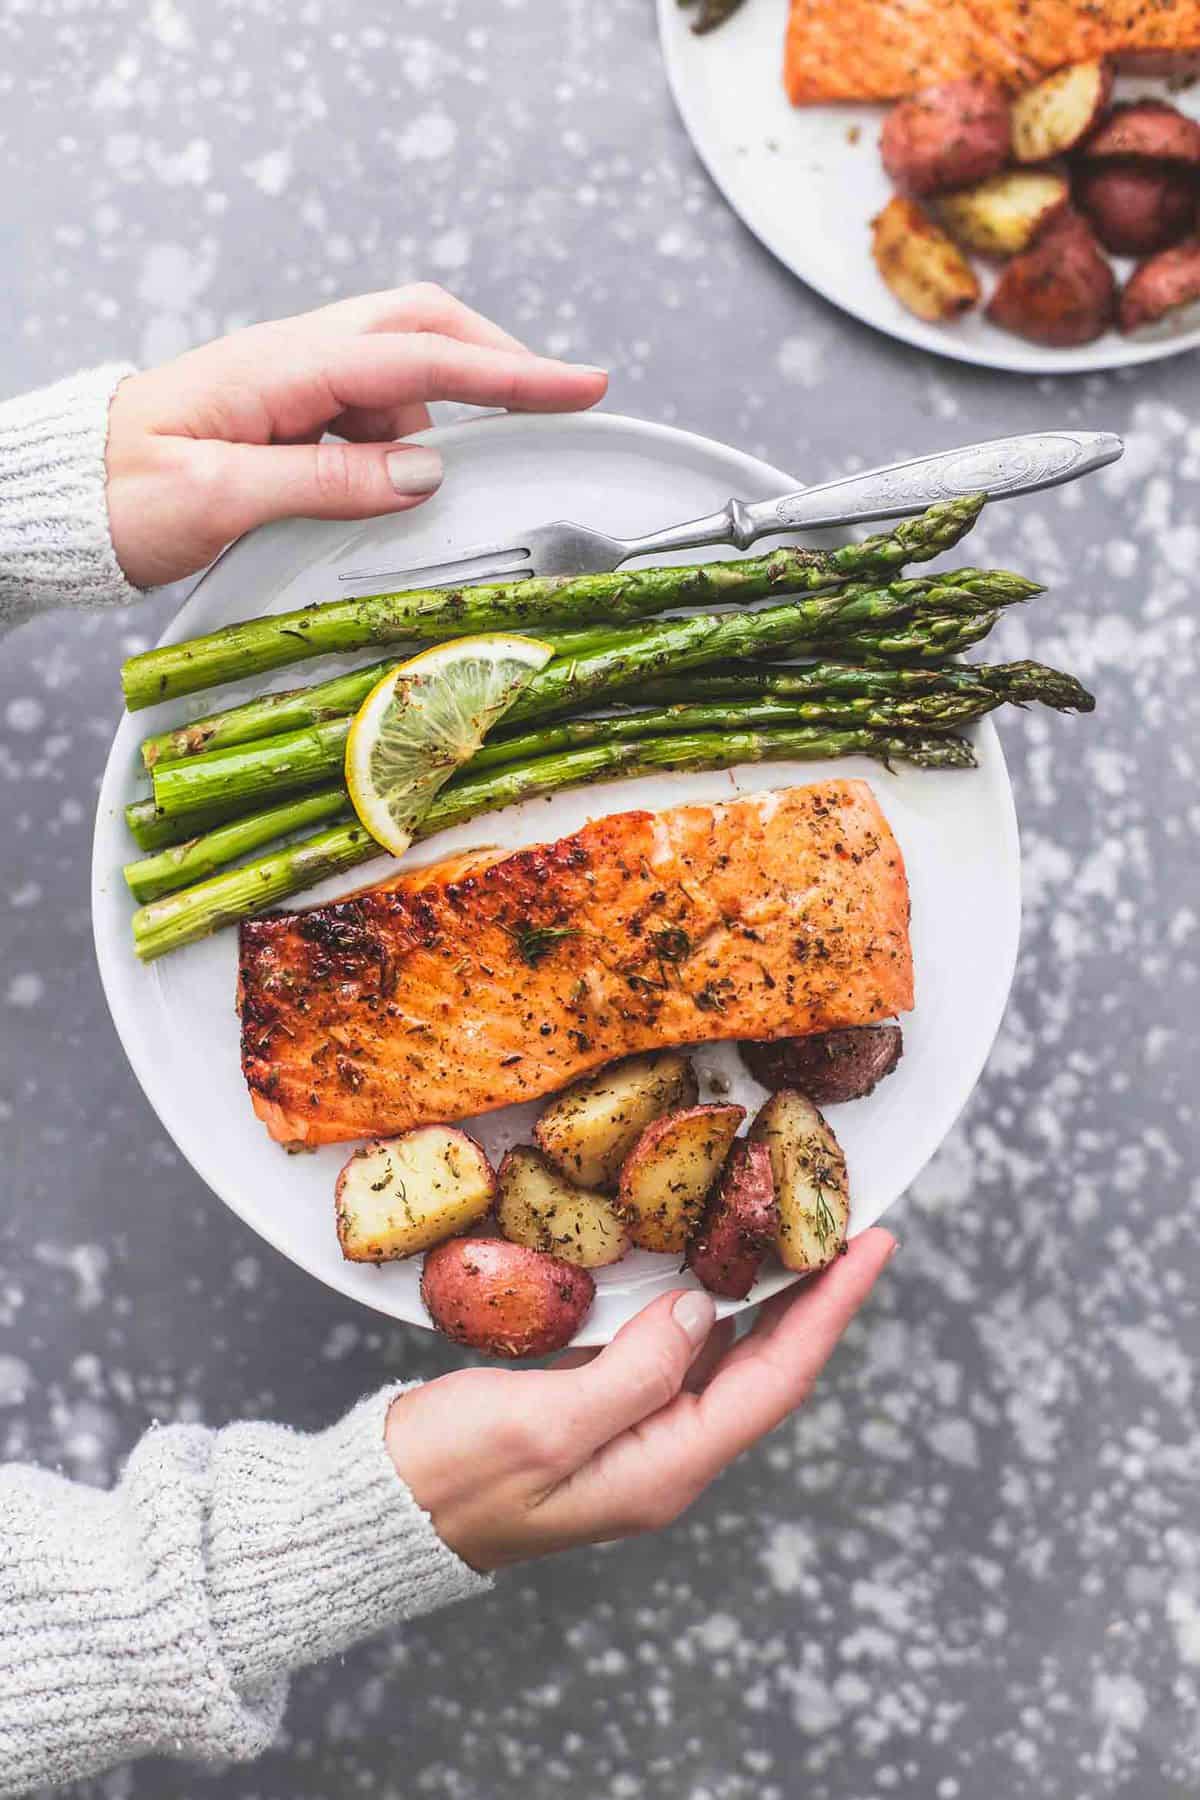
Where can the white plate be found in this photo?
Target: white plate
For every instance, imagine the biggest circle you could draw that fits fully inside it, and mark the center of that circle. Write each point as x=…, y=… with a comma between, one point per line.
x=957, y=830
x=808, y=180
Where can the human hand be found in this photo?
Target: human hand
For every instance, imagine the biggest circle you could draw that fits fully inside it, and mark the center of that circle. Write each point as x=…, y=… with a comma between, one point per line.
x=228, y=436
x=513, y=1464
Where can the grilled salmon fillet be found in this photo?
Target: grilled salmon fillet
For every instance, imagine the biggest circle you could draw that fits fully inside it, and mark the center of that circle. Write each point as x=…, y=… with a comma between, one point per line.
x=495, y=978
x=884, y=49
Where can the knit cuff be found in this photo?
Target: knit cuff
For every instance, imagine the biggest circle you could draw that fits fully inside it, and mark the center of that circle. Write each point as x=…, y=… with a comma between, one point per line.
x=55, y=545
x=320, y=1544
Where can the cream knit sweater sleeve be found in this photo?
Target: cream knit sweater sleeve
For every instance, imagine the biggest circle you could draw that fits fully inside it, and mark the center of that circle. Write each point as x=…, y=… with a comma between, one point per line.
x=55, y=548
x=167, y=1614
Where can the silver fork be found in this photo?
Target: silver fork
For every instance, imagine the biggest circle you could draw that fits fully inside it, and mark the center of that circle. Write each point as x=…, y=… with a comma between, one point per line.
x=1000, y=468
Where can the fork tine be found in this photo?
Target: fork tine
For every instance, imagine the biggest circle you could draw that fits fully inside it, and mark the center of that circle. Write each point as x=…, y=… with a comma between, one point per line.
x=497, y=559
x=508, y=576
x=401, y=581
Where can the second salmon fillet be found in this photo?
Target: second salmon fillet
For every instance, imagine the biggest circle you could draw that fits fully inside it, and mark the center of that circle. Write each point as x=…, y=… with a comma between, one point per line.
x=492, y=979
x=884, y=49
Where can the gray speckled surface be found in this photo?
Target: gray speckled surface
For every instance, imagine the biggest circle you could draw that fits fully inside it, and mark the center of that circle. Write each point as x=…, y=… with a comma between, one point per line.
x=973, y=1567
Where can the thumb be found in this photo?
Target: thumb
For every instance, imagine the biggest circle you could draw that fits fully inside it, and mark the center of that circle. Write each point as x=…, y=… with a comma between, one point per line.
x=254, y=483
x=641, y=1371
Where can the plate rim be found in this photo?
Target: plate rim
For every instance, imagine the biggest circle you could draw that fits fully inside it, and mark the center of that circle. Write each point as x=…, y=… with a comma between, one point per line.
x=111, y=799
x=1108, y=354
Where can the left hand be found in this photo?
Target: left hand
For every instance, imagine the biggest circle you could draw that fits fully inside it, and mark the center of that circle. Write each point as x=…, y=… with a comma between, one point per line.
x=228, y=436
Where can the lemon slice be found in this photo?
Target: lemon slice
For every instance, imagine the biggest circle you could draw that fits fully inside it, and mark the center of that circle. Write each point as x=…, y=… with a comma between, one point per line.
x=424, y=720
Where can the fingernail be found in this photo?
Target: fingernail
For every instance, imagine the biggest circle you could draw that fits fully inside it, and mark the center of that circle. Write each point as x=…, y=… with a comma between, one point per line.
x=589, y=368
x=694, y=1314
x=894, y=1248
x=415, y=471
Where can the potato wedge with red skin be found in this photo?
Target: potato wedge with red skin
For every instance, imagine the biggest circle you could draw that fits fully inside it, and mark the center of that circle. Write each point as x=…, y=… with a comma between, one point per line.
x=1002, y=215
x=1151, y=129
x=589, y=1129
x=739, y=1226
x=1136, y=208
x=398, y=1196
x=924, y=267
x=1160, y=286
x=812, y=1189
x=538, y=1207
x=504, y=1299
x=668, y=1174
x=1061, y=291
x=946, y=137
x=1056, y=114
x=830, y=1067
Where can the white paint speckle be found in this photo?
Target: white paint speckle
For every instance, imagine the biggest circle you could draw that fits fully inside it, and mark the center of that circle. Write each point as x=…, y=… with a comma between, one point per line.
x=787, y=1554
x=452, y=250
x=799, y=359
x=170, y=26
x=16, y=1379
x=25, y=990
x=25, y=713
x=955, y=1439
x=88, y=1263
x=427, y=138
x=272, y=172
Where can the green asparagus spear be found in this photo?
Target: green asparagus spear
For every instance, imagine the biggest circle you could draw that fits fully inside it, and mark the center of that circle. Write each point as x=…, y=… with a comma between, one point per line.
x=295, y=760
x=180, y=866
x=252, y=887
x=1020, y=683
x=266, y=716
x=827, y=679
x=925, y=642
x=255, y=645
x=923, y=713
x=153, y=830
x=824, y=683
x=236, y=778
x=239, y=893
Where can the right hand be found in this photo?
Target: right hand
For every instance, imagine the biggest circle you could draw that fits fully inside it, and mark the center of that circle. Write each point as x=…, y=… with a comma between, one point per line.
x=513, y=1464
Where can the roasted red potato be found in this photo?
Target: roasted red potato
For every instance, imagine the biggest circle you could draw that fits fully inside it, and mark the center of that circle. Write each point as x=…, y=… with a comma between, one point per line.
x=1002, y=215
x=398, y=1196
x=946, y=137
x=1161, y=286
x=504, y=1299
x=1060, y=292
x=924, y=268
x=1056, y=114
x=1151, y=129
x=590, y=1128
x=538, y=1207
x=812, y=1189
x=830, y=1067
x=740, y=1223
x=669, y=1172
x=1136, y=208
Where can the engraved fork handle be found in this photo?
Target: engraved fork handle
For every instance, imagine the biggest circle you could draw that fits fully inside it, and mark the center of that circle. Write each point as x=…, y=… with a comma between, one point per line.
x=1003, y=467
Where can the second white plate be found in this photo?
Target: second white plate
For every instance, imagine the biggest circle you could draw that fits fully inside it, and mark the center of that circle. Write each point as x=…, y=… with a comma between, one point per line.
x=176, y=1018
x=808, y=180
